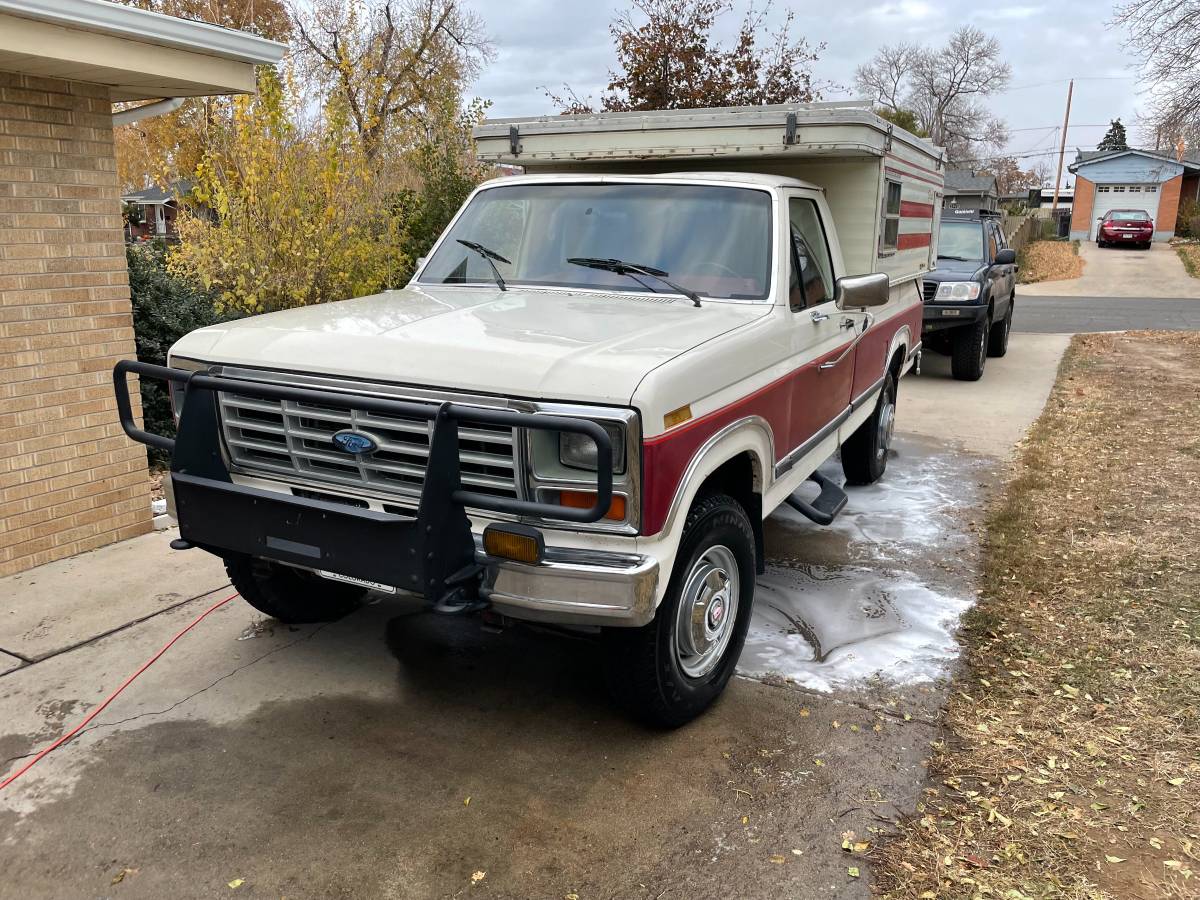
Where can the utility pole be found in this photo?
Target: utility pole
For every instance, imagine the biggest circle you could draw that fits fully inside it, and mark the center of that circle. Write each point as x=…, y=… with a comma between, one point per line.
x=1062, y=147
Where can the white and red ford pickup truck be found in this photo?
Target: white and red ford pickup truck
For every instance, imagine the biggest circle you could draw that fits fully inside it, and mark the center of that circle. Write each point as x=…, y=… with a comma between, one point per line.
x=602, y=378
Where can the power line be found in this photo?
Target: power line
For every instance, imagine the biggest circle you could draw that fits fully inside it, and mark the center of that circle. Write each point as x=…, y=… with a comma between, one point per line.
x=1025, y=87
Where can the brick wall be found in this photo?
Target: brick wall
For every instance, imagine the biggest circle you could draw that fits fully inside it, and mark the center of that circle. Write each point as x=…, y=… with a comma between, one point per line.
x=69, y=478
x=1168, y=206
x=1081, y=206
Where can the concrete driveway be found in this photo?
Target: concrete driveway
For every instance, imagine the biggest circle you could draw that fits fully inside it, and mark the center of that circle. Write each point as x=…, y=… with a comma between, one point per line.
x=397, y=754
x=1122, y=272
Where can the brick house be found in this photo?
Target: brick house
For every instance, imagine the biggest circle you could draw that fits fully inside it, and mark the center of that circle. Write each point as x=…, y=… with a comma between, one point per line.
x=69, y=479
x=158, y=208
x=1131, y=179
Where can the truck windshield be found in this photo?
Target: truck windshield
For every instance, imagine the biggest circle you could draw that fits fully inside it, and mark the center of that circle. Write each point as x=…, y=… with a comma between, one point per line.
x=960, y=240
x=716, y=240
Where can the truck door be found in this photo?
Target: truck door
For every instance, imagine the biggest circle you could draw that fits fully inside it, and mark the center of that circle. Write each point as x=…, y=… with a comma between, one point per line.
x=1002, y=277
x=820, y=341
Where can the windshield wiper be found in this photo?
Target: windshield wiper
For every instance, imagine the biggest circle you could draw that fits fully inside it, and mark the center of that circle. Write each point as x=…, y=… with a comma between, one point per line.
x=959, y=258
x=633, y=270
x=488, y=255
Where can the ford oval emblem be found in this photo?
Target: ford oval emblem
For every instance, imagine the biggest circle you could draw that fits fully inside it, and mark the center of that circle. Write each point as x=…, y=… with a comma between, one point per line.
x=354, y=442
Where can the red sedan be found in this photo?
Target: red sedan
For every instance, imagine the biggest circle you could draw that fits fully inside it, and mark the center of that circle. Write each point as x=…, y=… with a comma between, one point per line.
x=1126, y=226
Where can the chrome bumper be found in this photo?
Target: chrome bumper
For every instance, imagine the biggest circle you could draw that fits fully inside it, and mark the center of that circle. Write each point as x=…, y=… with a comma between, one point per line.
x=574, y=587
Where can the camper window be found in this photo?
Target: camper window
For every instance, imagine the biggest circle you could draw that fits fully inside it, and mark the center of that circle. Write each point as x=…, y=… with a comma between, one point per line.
x=890, y=232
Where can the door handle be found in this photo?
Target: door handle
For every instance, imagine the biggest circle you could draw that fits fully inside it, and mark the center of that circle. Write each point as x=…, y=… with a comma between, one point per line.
x=868, y=321
x=819, y=316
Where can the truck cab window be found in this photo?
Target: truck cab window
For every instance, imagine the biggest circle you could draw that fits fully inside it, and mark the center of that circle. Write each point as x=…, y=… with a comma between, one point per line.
x=811, y=278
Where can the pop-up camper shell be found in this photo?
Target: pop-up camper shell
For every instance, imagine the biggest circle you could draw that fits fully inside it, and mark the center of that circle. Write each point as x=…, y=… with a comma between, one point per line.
x=883, y=184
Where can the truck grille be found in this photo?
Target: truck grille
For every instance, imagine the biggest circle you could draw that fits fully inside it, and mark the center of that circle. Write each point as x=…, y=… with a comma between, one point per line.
x=290, y=438
x=928, y=290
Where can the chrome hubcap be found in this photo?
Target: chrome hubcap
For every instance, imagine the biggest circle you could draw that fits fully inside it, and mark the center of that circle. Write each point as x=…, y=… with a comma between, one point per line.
x=887, y=425
x=707, y=611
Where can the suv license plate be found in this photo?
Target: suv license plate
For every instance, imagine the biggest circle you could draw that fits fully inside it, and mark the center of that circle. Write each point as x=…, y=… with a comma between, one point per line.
x=361, y=582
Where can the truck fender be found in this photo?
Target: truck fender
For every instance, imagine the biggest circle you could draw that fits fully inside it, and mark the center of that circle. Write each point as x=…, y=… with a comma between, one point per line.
x=751, y=435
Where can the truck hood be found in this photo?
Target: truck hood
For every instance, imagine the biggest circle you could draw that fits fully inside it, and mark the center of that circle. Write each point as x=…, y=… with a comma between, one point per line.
x=537, y=344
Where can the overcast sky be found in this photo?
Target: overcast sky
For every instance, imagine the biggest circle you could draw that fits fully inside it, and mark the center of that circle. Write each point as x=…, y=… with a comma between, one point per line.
x=541, y=42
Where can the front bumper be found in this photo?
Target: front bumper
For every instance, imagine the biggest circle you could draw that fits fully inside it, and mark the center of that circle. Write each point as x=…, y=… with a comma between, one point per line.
x=431, y=552
x=574, y=587
x=940, y=316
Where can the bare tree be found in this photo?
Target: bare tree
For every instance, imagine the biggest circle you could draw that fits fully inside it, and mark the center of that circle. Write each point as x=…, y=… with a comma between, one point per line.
x=394, y=63
x=944, y=88
x=1166, y=34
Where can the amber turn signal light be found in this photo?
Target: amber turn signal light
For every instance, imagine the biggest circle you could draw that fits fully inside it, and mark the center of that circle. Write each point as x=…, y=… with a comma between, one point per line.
x=587, y=499
x=516, y=542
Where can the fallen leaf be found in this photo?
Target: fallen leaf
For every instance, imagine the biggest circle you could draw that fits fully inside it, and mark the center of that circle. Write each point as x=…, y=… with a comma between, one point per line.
x=467, y=802
x=797, y=852
x=237, y=883
x=852, y=871
x=778, y=859
x=1176, y=781
x=1113, y=859
x=804, y=713
x=477, y=877
x=570, y=897
x=120, y=876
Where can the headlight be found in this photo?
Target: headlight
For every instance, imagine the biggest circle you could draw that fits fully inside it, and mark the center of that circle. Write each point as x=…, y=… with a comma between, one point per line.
x=578, y=451
x=957, y=291
x=177, y=390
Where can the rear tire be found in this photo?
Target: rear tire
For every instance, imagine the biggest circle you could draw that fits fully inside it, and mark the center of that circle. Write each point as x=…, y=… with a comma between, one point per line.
x=293, y=596
x=668, y=672
x=865, y=453
x=998, y=339
x=968, y=353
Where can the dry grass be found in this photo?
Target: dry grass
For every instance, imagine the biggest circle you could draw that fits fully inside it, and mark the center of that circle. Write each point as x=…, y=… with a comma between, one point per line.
x=1190, y=254
x=1050, y=261
x=1070, y=760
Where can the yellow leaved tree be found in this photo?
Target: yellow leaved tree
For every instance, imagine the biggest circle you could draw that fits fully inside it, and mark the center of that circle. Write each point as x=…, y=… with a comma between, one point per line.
x=286, y=212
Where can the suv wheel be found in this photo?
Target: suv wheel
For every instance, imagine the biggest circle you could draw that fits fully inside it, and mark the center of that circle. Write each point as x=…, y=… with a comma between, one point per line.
x=865, y=453
x=998, y=339
x=969, y=350
x=293, y=596
x=668, y=672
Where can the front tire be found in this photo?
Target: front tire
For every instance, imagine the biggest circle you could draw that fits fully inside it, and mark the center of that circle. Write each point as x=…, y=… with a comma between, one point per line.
x=293, y=596
x=968, y=352
x=668, y=672
x=865, y=453
x=998, y=339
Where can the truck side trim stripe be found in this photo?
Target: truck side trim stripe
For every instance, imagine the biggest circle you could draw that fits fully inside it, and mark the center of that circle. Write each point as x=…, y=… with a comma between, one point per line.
x=911, y=241
x=910, y=209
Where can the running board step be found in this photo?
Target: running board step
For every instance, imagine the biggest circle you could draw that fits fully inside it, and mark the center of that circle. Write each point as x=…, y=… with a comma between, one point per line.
x=824, y=509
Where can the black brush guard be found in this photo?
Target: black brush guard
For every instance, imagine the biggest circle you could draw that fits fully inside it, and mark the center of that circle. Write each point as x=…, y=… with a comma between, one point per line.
x=432, y=554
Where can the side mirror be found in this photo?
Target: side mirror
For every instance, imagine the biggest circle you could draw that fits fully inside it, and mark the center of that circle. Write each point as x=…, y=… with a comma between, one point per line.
x=858, y=291
x=1006, y=257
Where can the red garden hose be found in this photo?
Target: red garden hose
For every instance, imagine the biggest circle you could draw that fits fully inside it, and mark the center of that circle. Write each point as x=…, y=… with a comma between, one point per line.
x=113, y=696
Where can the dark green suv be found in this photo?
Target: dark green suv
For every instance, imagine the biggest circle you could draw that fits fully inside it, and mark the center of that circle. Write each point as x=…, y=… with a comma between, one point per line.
x=969, y=297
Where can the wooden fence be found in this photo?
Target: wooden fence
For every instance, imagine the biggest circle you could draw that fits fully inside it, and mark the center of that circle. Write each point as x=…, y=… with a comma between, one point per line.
x=1020, y=230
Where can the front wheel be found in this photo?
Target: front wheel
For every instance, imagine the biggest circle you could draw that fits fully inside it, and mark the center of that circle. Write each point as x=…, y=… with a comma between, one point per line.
x=865, y=453
x=293, y=596
x=668, y=672
x=998, y=340
x=969, y=350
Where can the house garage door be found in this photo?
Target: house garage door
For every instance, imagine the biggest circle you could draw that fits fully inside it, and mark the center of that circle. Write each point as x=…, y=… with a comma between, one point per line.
x=1124, y=196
